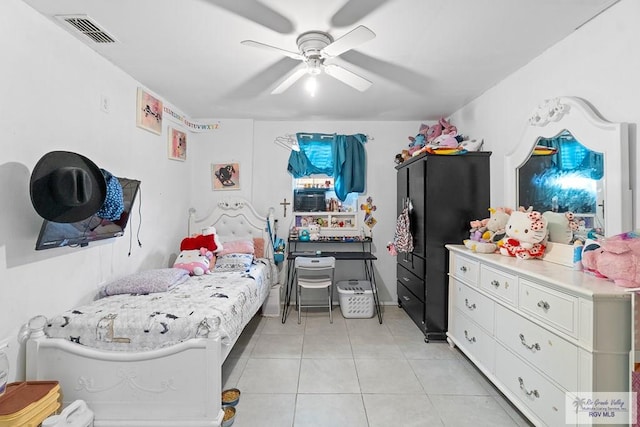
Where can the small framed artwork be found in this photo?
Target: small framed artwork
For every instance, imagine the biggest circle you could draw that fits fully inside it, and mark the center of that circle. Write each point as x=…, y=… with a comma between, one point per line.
x=225, y=176
x=148, y=112
x=177, y=144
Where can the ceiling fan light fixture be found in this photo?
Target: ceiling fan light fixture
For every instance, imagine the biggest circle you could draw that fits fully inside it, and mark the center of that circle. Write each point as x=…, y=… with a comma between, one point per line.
x=311, y=85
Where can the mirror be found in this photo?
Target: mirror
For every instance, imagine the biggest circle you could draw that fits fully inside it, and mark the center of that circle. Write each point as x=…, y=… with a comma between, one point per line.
x=570, y=159
x=562, y=175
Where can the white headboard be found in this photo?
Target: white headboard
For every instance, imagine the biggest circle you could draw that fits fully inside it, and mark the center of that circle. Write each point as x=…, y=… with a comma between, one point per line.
x=235, y=218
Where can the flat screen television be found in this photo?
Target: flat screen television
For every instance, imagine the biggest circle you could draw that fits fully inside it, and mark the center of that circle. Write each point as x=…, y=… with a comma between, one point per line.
x=94, y=228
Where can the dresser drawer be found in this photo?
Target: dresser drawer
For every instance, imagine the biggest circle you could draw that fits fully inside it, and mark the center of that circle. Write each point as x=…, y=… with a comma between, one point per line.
x=541, y=396
x=499, y=284
x=413, y=263
x=465, y=269
x=412, y=305
x=410, y=281
x=558, y=309
x=473, y=340
x=546, y=351
x=476, y=306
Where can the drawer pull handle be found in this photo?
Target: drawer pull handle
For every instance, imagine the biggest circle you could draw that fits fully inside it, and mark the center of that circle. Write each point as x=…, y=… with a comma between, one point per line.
x=406, y=298
x=544, y=305
x=533, y=393
x=466, y=335
x=469, y=306
x=495, y=283
x=463, y=269
x=406, y=279
x=531, y=347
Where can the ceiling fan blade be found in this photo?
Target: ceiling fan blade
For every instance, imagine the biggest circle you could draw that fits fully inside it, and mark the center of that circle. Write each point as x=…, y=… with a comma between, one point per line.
x=284, y=52
x=293, y=77
x=353, y=38
x=257, y=12
x=354, y=11
x=348, y=77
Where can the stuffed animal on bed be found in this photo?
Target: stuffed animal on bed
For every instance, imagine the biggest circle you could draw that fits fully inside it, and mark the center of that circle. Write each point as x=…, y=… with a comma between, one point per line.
x=196, y=261
x=526, y=235
x=208, y=239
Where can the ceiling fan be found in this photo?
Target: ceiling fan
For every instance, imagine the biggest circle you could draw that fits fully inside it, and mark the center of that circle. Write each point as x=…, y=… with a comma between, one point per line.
x=316, y=47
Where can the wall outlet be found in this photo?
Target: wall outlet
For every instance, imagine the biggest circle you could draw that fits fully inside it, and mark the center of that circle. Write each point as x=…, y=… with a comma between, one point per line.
x=105, y=103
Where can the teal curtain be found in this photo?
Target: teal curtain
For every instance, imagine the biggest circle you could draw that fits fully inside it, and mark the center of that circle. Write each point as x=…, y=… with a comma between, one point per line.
x=339, y=156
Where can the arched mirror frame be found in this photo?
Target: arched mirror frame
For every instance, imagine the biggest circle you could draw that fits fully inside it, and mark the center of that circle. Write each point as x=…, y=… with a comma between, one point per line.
x=611, y=139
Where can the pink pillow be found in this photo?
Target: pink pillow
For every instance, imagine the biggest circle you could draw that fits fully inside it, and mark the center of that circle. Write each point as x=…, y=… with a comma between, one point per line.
x=258, y=246
x=237, y=247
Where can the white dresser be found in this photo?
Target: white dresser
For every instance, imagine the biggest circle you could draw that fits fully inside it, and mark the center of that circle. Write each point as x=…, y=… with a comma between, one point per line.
x=538, y=330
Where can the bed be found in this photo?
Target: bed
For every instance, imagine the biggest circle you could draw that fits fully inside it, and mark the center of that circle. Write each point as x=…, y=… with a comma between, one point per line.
x=162, y=366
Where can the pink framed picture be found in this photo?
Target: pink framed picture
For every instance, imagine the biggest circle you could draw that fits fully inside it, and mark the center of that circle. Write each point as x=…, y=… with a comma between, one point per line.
x=177, y=144
x=148, y=112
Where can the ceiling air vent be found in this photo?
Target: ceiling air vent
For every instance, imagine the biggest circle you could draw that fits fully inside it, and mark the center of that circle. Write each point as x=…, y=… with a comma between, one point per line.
x=88, y=27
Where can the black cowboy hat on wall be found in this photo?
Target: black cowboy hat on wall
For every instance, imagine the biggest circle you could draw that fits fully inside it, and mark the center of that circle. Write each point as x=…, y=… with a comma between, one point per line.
x=67, y=187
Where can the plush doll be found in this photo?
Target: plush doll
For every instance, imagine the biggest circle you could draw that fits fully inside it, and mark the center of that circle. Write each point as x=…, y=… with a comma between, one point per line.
x=526, y=235
x=195, y=261
x=478, y=227
x=496, y=225
x=561, y=226
x=616, y=258
x=208, y=239
x=314, y=232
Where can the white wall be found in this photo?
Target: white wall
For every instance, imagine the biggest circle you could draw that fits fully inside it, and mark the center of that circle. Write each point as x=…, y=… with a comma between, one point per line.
x=598, y=63
x=266, y=182
x=51, y=85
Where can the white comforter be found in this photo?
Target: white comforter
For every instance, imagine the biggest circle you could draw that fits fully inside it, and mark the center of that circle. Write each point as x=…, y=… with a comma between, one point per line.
x=218, y=304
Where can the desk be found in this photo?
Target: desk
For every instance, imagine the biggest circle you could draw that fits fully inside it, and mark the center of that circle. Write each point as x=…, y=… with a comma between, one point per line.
x=363, y=255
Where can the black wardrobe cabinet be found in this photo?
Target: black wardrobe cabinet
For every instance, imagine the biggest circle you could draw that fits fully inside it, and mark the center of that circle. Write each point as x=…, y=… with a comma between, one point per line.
x=445, y=193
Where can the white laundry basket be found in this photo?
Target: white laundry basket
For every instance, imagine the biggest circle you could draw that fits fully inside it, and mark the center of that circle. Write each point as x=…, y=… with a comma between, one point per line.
x=356, y=299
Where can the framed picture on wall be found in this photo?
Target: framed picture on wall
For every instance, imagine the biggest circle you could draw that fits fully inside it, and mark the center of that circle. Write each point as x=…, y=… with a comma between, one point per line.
x=177, y=144
x=148, y=112
x=225, y=176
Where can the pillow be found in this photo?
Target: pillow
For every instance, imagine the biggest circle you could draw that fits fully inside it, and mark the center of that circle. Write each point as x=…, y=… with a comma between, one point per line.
x=234, y=262
x=146, y=282
x=237, y=247
x=258, y=247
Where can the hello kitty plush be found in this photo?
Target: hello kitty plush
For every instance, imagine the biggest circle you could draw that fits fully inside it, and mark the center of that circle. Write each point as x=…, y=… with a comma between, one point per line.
x=195, y=261
x=526, y=235
x=314, y=231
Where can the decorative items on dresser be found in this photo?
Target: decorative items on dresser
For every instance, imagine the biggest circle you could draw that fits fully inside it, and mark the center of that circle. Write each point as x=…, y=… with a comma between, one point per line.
x=444, y=193
x=540, y=331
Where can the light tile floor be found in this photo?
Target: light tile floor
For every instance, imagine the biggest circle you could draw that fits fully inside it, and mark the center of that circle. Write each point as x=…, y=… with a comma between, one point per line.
x=357, y=373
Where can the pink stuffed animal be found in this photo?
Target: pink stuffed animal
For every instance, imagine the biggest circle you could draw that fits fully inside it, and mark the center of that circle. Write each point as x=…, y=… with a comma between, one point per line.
x=195, y=261
x=616, y=258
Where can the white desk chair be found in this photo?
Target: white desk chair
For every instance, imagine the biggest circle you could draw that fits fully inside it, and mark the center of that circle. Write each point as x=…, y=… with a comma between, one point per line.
x=314, y=273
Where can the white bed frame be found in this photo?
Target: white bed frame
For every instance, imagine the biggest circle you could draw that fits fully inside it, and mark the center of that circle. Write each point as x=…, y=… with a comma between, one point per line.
x=178, y=386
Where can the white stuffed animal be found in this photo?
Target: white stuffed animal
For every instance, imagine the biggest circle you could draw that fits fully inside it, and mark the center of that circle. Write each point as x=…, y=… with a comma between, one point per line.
x=314, y=231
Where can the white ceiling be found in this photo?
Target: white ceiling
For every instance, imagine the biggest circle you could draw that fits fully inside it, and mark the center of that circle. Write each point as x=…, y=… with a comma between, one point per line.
x=429, y=57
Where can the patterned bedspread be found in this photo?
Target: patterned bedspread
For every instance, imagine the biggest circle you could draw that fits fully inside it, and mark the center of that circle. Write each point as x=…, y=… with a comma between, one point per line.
x=221, y=304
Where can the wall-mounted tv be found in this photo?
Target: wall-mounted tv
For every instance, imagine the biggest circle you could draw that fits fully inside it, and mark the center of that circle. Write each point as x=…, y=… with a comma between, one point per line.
x=94, y=228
